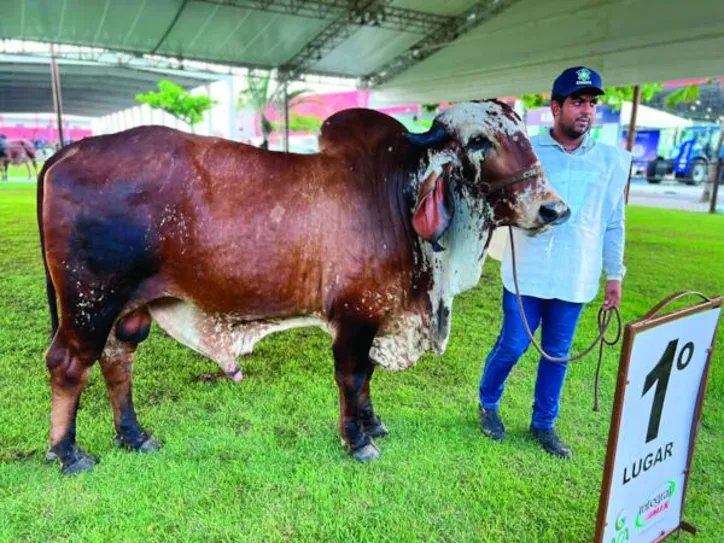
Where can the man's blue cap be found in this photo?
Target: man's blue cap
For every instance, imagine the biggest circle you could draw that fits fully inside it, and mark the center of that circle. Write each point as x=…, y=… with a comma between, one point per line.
x=577, y=79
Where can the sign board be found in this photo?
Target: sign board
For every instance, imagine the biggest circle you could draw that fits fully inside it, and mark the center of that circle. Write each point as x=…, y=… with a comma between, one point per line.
x=661, y=383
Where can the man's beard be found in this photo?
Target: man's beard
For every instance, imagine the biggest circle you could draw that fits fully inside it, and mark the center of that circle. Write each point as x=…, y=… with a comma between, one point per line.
x=572, y=132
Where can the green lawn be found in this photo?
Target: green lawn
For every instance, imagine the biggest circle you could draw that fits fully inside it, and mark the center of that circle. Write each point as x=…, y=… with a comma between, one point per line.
x=21, y=172
x=261, y=460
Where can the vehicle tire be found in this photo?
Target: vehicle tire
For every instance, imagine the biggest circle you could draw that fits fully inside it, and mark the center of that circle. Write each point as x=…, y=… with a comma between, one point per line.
x=698, y=172
x=652, y=171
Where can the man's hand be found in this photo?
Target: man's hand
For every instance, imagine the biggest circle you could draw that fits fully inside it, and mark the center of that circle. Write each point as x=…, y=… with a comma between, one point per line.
x=613, y=294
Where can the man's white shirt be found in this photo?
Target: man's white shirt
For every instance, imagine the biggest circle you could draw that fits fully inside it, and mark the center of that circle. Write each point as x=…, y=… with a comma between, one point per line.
x=566, y=261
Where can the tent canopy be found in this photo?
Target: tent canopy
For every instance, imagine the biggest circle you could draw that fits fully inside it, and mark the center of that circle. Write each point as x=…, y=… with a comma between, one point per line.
x=88, y=89
x=409, y=50
x=523, y=48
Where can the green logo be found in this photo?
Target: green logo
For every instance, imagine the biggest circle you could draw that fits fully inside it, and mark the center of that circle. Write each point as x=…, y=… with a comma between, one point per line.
x=584, y=76
x=622, y=533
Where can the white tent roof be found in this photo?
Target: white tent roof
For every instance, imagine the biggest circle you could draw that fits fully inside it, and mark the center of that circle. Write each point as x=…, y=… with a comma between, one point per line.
x=410, y=50
x=523, y=48
x=648, y=117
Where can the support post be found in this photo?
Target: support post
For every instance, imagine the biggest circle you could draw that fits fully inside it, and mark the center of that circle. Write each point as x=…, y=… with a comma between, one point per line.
x=286, y=116
x=717, y=173
x=631, y=137
x=57, y=97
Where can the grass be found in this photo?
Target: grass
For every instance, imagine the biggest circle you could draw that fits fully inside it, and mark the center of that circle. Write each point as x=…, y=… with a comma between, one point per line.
x=21, y=172
x=261, y=461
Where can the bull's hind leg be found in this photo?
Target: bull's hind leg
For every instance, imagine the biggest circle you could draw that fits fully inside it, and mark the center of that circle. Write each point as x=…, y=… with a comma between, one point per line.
x=352, y=372
x=117, y=367
x=68, y=364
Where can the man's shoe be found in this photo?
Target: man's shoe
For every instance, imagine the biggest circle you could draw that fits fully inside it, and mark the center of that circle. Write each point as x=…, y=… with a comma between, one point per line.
x=551, y=442
x=491, y=424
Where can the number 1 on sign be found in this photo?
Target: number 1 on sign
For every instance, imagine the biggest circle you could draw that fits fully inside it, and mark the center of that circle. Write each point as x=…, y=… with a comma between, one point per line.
x=660, y=376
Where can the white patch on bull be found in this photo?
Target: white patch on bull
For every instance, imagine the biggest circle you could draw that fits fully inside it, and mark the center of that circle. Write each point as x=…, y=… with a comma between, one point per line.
x=528, y=202
x=221, y=337
x=458, y=268
x=468, y=119
x=277, y=214
x=400, y=342
x=404, y=337
x=436, y=161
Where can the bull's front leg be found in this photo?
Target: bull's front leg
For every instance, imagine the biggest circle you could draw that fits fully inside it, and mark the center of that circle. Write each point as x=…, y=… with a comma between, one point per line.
x=352, y=372
x=371, y=423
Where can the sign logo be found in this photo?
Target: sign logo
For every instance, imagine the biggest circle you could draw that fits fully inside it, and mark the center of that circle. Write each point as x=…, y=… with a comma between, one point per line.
x=655, y=505
x=584, y=76
x=622, y=532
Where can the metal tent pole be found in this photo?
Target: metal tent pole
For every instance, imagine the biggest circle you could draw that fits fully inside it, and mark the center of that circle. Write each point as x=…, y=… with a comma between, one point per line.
x=632, y=132
x=286, y=116
x=57, y=98
x=717, y=174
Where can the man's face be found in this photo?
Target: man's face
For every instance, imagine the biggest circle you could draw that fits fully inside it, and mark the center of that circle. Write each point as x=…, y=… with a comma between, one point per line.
x=576, y=115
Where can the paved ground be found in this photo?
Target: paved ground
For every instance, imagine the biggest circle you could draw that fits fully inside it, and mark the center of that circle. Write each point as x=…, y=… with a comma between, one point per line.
x=671, y=195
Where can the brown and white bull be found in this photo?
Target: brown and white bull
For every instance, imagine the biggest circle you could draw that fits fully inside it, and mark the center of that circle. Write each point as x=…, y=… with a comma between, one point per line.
x=18, y=152
x=222, y=244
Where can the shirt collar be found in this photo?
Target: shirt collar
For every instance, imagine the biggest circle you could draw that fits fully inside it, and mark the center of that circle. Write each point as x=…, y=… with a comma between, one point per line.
x=588, y=142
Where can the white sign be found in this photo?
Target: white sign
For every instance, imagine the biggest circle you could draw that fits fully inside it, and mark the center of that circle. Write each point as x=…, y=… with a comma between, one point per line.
x=665, y=371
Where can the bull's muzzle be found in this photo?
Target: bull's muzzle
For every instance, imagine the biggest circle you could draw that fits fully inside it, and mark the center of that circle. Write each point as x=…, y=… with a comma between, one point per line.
x=553, y=213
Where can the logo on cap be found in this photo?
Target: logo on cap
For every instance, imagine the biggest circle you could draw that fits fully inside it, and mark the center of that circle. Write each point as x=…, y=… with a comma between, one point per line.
x=584, y=76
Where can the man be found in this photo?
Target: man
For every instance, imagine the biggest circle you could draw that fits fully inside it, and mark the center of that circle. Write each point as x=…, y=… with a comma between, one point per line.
x=559, y=270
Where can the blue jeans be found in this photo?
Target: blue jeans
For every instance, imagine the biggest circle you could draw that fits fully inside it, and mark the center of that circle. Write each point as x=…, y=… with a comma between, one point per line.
x=559, y=319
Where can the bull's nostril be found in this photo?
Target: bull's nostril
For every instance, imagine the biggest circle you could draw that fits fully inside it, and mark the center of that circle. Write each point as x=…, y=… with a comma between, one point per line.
x=549, y=213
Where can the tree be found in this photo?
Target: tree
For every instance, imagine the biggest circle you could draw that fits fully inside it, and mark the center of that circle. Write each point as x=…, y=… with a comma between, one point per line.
x=305, y=123
x=683, y=95
x=177, y=101
x=263, y=95
x=534, y=101
x=616, y=96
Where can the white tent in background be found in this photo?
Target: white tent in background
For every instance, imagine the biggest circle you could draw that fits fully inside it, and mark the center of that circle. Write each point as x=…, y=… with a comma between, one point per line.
x=648, y=117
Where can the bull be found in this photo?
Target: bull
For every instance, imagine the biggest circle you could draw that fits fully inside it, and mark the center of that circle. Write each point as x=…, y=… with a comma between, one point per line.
x=222, y=244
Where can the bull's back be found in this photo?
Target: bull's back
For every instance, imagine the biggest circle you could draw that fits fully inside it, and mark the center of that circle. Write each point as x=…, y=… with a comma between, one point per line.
x=226, y=225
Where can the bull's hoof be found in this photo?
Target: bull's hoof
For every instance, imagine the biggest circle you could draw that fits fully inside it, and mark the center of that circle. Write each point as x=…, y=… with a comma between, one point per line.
x=81, y=463
x=377, y=429
x=146, y=444
x=76, y=461
x=368, y=453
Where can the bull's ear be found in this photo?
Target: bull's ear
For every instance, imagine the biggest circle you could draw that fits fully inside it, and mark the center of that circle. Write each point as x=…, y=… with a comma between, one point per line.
x=435, y=207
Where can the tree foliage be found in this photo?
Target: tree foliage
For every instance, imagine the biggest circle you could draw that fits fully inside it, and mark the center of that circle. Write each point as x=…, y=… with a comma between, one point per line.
x=683, y=95
x=305, y=123
x=616, y=96
x=533, y=101
x=178, y=102
x=262, y=94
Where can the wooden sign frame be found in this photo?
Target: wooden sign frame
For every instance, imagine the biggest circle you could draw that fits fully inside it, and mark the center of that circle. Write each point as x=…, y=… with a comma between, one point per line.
x=651, y=320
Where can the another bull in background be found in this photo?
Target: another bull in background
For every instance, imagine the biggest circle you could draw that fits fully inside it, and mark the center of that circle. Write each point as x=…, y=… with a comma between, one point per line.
x=18, y=152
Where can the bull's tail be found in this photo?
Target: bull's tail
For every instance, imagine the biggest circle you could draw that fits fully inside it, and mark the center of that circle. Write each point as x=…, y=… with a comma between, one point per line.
x=50, y=288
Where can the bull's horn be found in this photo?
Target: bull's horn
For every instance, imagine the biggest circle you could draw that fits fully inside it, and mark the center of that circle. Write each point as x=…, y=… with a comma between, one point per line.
x=432, y=137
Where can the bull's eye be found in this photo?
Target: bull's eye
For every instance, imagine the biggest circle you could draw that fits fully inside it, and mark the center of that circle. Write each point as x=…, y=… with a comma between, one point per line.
x=479, y=143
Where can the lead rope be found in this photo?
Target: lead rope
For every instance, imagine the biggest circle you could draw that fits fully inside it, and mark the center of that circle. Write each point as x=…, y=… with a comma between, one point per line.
x=604, y=320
